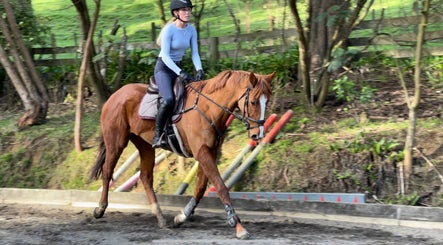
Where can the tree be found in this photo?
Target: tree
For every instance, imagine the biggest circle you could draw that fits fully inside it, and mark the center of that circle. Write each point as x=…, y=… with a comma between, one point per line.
x=197, y=12
x=83, y=69
x=18, y=63
x=328, y=26
x=93, y=70
x=247, y=9
x=237, y=32
x=161, y=12
x=413, y=102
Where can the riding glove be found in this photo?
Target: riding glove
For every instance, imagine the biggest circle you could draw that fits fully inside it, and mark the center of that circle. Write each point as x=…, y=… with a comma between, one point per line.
x=185, y=77
x=200, y=75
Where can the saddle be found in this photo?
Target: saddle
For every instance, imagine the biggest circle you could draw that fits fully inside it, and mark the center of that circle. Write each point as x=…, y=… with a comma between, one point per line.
x=149, y=108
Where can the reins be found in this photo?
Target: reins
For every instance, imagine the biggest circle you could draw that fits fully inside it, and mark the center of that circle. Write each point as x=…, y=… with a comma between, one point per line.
x=245, y=119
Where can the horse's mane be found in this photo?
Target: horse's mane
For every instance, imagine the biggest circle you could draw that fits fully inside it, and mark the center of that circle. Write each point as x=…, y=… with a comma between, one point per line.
x=223, y=78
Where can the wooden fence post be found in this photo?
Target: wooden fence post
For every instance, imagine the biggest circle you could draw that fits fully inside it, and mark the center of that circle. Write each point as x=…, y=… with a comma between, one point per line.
x=208, y=29
x=76, y=55
x=271, y=20
x=213, y=53
x=53, y=45
x=153, y=32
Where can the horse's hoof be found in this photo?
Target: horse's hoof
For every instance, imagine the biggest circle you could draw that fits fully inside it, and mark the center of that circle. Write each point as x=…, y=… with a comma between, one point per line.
x=162, y=224
x=179, y=219
x=243, y=235
x=98, y=213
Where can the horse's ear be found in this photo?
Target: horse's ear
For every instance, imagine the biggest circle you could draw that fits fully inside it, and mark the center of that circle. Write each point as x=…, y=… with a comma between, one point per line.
x=271, y=76
x=252, y=79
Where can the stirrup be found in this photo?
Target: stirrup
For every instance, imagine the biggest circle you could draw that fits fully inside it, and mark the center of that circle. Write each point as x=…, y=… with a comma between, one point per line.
x=160, y=142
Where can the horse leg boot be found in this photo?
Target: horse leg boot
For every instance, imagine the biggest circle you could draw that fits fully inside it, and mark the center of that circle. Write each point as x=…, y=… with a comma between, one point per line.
x=186, y=212
x=164, y=110
x=199, y=191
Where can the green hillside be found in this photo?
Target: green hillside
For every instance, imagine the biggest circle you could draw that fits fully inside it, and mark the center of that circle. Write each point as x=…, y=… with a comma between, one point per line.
x=137, y=15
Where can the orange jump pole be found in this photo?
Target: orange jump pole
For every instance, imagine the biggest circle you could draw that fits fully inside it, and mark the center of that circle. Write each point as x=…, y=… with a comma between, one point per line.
x=268, y=138
x=252, y=143
x=237, y=161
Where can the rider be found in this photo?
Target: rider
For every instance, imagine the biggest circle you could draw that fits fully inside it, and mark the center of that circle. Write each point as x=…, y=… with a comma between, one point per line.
x=176, y=37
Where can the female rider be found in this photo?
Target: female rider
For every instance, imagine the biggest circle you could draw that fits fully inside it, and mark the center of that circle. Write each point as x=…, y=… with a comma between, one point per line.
x=175, y=38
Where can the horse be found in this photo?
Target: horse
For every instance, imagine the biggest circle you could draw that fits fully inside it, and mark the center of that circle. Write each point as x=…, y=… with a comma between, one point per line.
x=208, y=106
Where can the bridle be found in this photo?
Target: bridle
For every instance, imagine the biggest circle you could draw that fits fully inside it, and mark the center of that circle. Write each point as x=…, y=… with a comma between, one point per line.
x=245, y=119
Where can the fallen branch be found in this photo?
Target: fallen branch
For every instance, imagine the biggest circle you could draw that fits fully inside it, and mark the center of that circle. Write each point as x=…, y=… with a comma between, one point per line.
x=430, y=163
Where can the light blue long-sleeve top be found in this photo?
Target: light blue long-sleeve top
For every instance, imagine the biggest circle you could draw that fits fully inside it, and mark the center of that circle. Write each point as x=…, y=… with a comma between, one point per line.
x=175, y=41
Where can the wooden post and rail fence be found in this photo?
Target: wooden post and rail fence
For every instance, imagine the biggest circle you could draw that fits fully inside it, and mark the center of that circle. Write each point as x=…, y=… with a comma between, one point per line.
x=395, y=37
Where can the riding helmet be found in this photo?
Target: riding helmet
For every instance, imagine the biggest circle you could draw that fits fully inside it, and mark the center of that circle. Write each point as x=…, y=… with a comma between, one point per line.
x=178, y=4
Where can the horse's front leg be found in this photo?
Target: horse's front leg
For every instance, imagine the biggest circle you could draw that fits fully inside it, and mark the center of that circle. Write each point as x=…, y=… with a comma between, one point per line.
x=207, y=161
x=231, y=216
x=199, y=191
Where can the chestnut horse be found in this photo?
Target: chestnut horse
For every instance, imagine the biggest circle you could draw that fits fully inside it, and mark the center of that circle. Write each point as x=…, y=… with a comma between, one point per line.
x=208, y=106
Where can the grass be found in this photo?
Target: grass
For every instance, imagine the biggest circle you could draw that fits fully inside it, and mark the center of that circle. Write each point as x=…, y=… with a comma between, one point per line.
x=136, y=17
x=43, y=149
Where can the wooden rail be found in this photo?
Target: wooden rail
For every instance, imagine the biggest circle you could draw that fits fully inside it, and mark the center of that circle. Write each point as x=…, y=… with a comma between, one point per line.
x=396, y=37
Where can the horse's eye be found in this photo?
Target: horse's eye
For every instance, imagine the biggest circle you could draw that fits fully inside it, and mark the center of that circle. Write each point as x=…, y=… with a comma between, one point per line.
x=253, y=103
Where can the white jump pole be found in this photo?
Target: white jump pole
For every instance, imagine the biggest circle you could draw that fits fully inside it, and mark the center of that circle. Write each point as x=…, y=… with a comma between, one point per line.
x=132, y=180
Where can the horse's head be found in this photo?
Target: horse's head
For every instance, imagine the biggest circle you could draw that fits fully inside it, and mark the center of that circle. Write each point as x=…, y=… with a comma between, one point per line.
x=252, y=103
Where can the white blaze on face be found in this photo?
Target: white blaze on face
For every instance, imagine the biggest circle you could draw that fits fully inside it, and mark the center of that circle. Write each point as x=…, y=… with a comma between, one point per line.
x=263, y=101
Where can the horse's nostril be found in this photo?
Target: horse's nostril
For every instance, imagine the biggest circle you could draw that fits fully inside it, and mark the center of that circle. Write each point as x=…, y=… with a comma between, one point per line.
x=254, y=137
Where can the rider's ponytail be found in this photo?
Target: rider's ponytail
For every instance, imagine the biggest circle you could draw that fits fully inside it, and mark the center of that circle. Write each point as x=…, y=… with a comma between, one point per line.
x=159, y=38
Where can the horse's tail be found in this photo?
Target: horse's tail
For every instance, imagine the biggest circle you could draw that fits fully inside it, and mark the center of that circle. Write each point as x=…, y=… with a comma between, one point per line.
x=96, y=170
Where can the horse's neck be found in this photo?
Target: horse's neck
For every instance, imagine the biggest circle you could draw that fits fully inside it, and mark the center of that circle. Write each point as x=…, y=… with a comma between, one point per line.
x=216, y=106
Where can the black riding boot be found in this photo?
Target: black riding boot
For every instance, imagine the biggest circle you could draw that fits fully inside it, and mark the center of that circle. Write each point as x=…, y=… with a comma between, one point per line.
x=160, y=123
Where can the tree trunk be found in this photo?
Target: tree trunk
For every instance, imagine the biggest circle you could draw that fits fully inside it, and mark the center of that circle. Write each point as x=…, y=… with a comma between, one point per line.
x=198, y=13
x=22, y=73
x=93, y=70
x=121, y=62
x=162, y=12
x=26, y=54
x=413, y=103
x=247, y=11
x=327, y=27
x=304, y=57
x=320, y=33
x=82, y=76
x=237, y=33
x=16, y=80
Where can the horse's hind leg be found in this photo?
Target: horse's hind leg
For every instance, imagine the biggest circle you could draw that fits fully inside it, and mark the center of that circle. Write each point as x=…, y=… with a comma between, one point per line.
x=112, y=156
x=147, y=163
x=199, y=191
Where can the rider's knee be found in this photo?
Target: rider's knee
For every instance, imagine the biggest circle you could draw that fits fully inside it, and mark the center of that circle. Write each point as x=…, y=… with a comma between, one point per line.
x=168, y=101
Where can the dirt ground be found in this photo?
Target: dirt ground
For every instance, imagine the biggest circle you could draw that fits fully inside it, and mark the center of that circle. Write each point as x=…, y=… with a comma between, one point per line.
x=36, y=224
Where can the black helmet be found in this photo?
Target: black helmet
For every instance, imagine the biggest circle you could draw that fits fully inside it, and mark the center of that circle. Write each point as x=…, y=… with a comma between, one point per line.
x=178, y=4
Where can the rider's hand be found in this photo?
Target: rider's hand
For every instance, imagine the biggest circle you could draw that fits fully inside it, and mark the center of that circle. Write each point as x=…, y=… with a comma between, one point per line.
x=200, y=75
x=185, y=77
